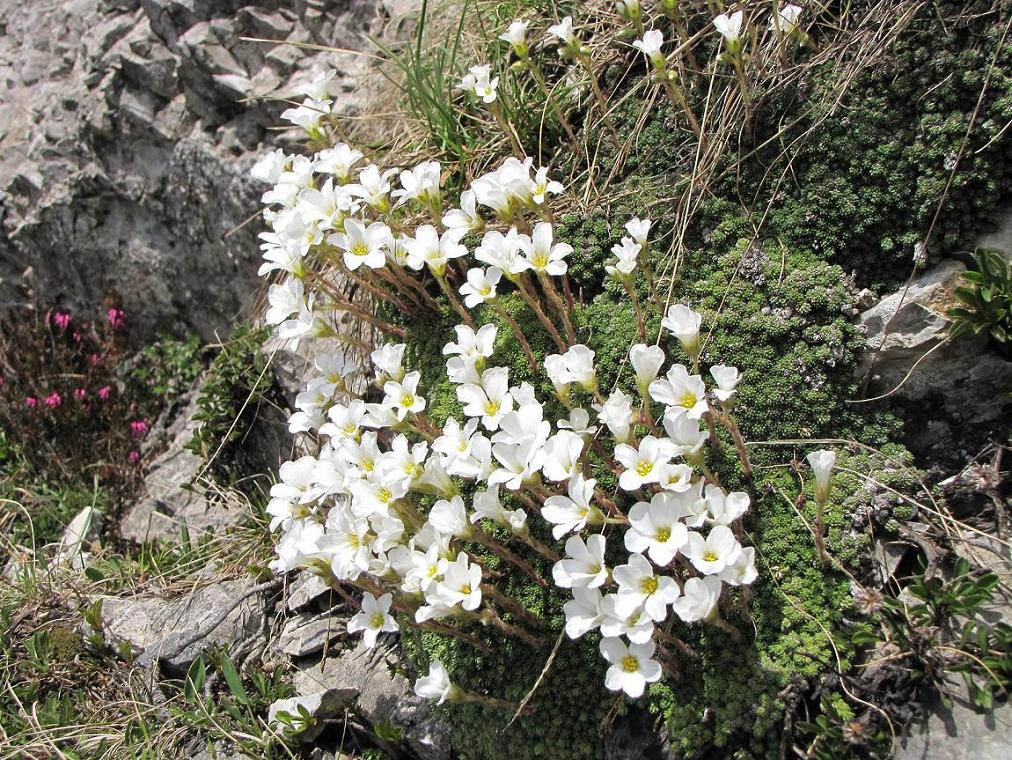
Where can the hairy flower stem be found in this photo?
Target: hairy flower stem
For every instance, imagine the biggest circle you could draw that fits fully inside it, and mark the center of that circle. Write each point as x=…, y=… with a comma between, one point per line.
x=539, y=547
x=819, y=529
x=553, y=295
x=500, y=117
x=540, y=79
x=718, y=622
x=512, y=606
x=649, y=272
x=641, y=325
x=382, y=293
x=602, y=103
x=401, y=276
x=452, y=298
x=532, y=361
x=488, y=616
x=739, y=442
x=388, y=276
x=678, y=101
x=481, y=699
x=506, y=555
x=682, y=34
x=365, y=316
x=531, y=300
x=450, y=630
x=668, y=638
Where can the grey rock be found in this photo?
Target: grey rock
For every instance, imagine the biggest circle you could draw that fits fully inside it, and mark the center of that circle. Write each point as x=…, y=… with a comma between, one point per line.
x=959, y=733
x=157, y=626
x=381, y=695
x=1001, y=238
x=304, y=590
x=320, y=705
x=309, y=633
x=970, y=382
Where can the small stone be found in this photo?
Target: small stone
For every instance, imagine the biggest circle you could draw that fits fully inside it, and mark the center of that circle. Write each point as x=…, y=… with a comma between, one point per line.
x=307, y=634
x=304, y=590
x=320, y=705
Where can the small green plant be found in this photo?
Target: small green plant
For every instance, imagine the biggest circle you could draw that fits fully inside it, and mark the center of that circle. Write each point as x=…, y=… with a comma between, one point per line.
x=987, y=302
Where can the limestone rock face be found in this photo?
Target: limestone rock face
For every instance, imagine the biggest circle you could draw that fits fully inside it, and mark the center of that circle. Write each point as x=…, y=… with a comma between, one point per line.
x=960, y=381
x=127, y=130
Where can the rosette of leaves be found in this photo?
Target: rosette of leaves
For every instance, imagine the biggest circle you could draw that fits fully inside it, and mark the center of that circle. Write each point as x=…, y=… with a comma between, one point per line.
x=987, y=301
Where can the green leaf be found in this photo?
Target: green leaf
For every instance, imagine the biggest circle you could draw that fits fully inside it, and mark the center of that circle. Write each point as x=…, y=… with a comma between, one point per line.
x=196, y=676
x=93, y=574
x=233, y=680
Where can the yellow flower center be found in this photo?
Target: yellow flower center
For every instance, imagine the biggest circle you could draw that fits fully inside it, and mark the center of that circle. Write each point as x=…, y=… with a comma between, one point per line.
x=485, y=290
x=432, y=571
x=383, y=495
x=407, y=400
x=630, y=664
x=688, y=400
x=360, y=249
x=540, y=260
x=349, y=429
x=368, y=465
x=643, y=468
x=354, y=541
x=466, y=588
x=710, y=556
x=663, y=534
x=492, y=408
x=377, y=620
x=648, y=585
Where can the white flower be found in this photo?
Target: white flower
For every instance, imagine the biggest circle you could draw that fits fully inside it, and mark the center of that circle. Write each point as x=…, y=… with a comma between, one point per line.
x=466, y=217
x=788, y=18
x=542, y=186
x=480, y=286
x=579, y=422
x=616, y=413
x=699, y=598
x=643, y=464
x=636, y=580
x=519, y=462
x=388, y=359
x=362, y=245
x=729, y=26
x=345, y=421
x=625, y=616
x=374, y=618
x=724, y=508
x=631, y=666
x=436, y=685
x=309, y=115
x=638, y=229
x=727, y=380
x=338, y=161
x=629, y=9
x=516, y=36
x=571, y=514
x=429, y=248
x=421, y=183
x=574, y=366
x=502, y=251
x=347, y=539
x=269, y=168
x=584, y=563
x=646, y=362
x=472, y=345
x=741, y=572
x=712, y=554
x=450, y=517
x=681, y=392
x=455, y=442
x=685, y=432
x=583, y=612
x=562, y=456
x=490, y=400
x=684, y=324
x=487, y=506
x=478, y=82
x=461, y=584
x=320, y=87
x=372, y=187
x=403, y=396
x=822, y=463
x=626, y=252
x=650, y=46
x=563, y=31
x=284, y=300
x=541, y=255
x=656, y=528
x=675, y=477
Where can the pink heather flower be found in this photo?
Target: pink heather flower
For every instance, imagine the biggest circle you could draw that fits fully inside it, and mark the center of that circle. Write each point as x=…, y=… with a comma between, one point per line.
x=104, y=392
x=77, y=337
x=61, y=319
x=53, y=400
x=138, y=428
x=31, y=402
x=116, y=317
x=135, y=457
x=95, y=360
x=79, y=394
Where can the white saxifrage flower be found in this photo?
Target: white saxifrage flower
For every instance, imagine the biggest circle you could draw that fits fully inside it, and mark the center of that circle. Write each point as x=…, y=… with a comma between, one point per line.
x=712, y=554
x=644, y=464
x=490, y=400
x=723, y=508
x=656, y=528
x=479, y=82
x=466, y=217
x=699, y=599
x=636, y=580
x=727, y=381
x=626, y=252
x=639, y=230
x=461, y=584
x=516, y=36
x=650, y=45
x=583, y=612
x=403, y=396
x=361, y=245
x=684, y=323
x=584, y=563
x=436, y=685
x=646, y=363
x=389, y=360
x=542, y=255
x=572, y=513
x=632, y=666
x=787, y=18
x=373, y=619
x=822, y=463
x=681, y=392
x=480, y=286
x=617, y=414
x=624, y=616
x=729, y=27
